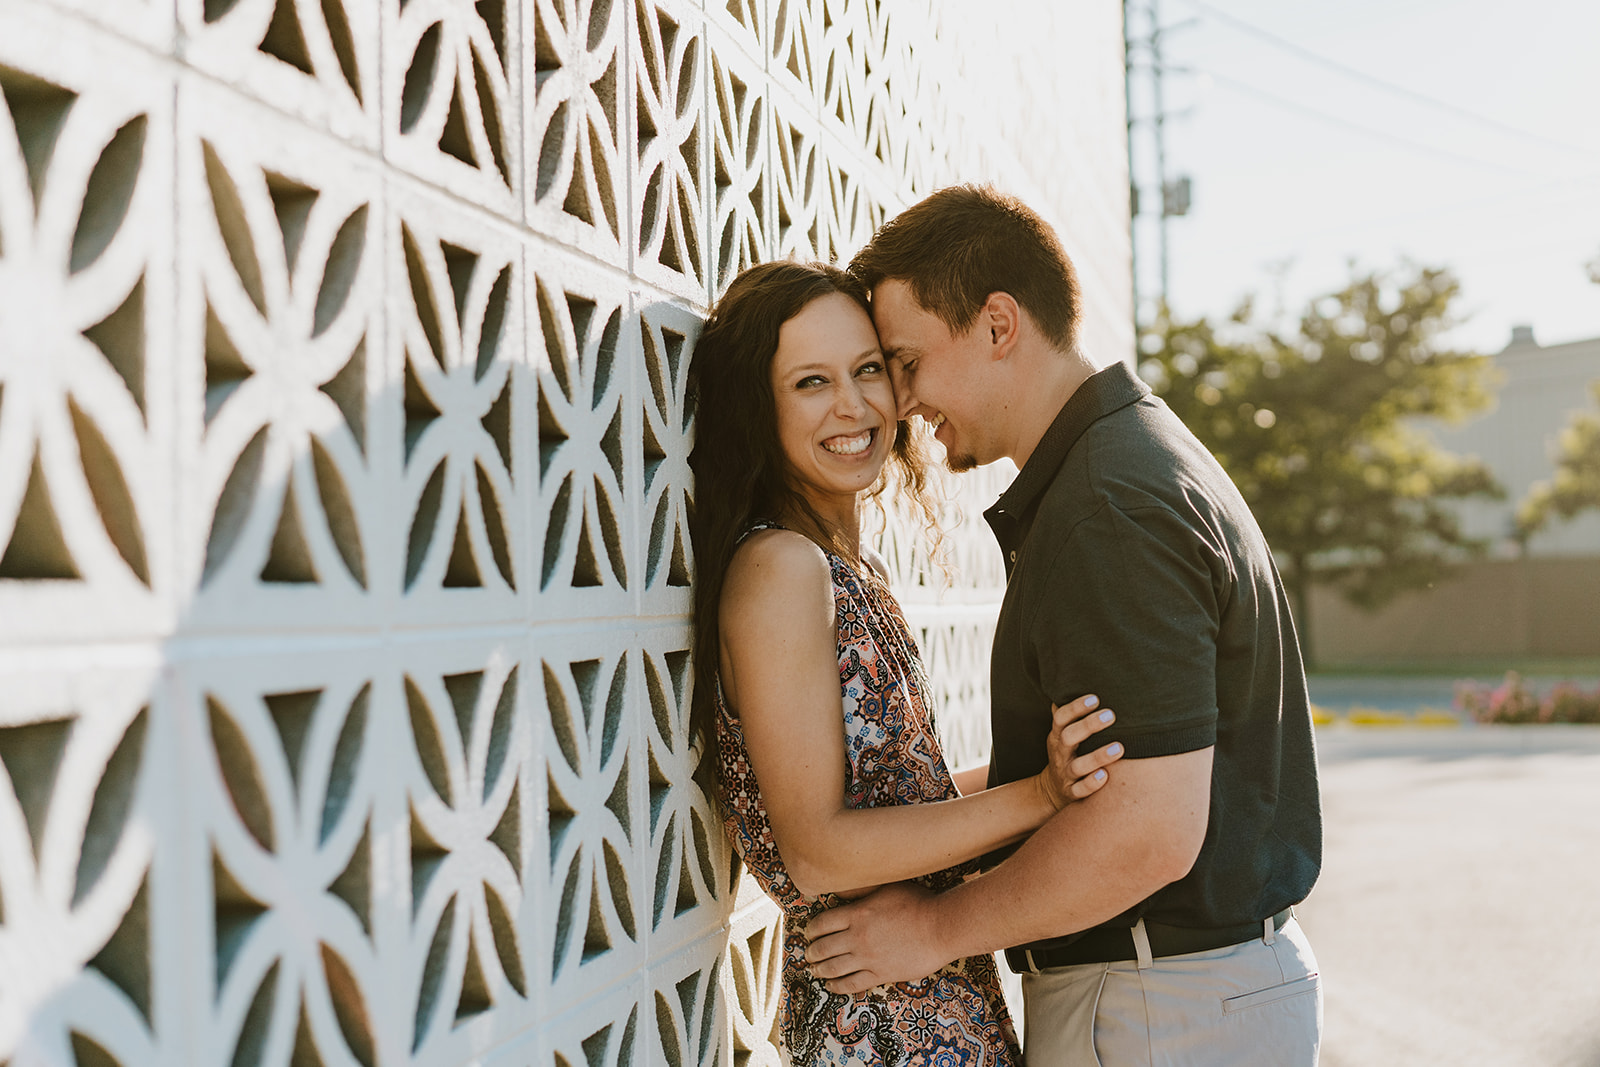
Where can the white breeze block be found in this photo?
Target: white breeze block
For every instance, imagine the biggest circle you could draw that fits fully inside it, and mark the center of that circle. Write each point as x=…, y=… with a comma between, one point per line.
x=345, y=572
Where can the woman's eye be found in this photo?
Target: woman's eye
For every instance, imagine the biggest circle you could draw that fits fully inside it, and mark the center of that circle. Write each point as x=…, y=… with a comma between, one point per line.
x=810, y=381
x=871, y=368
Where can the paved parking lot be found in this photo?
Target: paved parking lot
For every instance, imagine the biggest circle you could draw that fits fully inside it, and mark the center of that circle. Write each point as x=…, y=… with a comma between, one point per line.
x=1457, y=920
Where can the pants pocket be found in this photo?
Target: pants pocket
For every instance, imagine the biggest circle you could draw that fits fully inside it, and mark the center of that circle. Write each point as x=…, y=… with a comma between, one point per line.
x=1060, y=1007
x=1272, y=994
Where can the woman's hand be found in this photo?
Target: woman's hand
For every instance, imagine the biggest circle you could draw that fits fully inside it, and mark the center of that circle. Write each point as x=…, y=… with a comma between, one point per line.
x=1070, y=776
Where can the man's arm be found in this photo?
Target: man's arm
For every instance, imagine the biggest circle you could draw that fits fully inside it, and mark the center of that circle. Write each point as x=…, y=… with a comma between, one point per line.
x=1144, y=628
x=1089, y=863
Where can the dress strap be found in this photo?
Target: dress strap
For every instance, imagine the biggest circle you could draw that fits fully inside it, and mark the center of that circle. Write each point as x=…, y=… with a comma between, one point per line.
x=757, y=526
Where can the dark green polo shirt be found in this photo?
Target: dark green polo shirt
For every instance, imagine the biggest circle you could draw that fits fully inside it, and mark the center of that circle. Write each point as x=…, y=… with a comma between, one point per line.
x=1135, y=571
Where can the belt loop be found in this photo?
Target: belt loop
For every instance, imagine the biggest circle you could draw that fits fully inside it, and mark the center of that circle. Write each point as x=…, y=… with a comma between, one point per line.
x=1027, y=954
x=1269, y=933
x=1141, y=945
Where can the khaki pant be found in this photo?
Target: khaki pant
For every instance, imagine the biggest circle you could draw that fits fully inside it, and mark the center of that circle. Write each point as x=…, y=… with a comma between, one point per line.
x=1256, y=1003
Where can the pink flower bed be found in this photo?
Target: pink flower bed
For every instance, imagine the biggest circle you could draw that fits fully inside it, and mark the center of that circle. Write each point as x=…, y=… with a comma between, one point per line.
x=1514, y=700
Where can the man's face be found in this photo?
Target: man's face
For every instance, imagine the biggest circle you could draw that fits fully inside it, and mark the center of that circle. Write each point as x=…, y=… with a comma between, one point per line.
x=936, y=373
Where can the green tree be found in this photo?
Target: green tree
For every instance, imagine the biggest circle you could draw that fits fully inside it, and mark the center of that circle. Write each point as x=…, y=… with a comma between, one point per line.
x=1576, y=485
x=1318, y=429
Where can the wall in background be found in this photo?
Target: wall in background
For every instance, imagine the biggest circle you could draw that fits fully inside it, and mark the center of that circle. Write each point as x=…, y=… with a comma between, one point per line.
x=1490, y=610
x=344, y=574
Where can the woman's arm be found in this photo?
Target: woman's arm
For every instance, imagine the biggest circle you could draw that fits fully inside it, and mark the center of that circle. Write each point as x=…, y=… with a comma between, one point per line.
x=780, y=674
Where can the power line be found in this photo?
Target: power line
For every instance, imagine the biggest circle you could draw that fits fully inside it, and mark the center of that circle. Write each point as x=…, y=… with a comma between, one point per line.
x=1444, y=211
x=1390, y=87
x=1335, y=120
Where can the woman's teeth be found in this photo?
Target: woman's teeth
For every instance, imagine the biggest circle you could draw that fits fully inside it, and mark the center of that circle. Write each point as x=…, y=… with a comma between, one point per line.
x=849, y=446
x=937, y=421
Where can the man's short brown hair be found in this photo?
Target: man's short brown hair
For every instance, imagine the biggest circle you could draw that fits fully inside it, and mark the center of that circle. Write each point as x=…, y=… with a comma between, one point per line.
x=966, y=241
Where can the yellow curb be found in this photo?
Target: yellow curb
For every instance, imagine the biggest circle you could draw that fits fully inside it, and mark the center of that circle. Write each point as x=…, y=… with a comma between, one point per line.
x=1366, y=716
x=1375, y=717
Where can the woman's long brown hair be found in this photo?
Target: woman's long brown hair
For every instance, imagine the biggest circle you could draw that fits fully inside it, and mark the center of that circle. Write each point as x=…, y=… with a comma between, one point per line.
x=740, y=475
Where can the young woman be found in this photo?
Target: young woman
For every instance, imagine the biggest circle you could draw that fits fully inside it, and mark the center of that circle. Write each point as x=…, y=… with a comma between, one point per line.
x=812, y=696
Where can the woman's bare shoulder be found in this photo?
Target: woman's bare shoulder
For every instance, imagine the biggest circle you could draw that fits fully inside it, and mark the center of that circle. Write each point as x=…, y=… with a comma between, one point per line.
x=775, y=553
x=775, y=565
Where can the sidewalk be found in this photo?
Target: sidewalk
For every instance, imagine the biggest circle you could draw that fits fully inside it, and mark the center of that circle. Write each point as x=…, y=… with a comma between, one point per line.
x=1452, y=921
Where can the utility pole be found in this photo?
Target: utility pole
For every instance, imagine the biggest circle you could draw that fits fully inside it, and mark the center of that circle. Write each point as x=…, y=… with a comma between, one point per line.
x=1159, y=119
x=1175, y=193
x=1133, y=175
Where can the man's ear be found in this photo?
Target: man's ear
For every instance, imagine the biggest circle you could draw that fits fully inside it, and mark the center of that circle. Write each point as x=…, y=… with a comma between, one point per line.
x=1001, y=316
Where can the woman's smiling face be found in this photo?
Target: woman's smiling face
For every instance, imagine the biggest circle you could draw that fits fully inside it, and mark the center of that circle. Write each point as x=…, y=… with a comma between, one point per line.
x=835, y=403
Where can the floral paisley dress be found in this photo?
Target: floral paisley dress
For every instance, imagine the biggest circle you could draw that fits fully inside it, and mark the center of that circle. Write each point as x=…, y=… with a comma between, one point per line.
x=954, y=1018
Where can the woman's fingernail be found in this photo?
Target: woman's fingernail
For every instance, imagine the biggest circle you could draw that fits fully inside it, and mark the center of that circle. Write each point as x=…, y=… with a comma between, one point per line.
x=1106, y=716
x=1114, y=749
x=1099, y=776
x=1091, y=701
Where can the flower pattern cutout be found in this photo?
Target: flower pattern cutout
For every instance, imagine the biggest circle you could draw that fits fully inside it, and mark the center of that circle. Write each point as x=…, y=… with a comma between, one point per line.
x=738, y=170
x=591, y=816
x=581, y=440
x=315, y=55
x=669, y=127
x=289, y=272
x=685, y=837
x=668, y=336
x=459, y=341
x=852, y=215
x=755, y=980
x=687, y=1010
x=454, y=94
x=578, y=60
x=744, y=20
x=792, y=40
x=878, y=125
x=580, y=1043
x=76, y=851
x=467, y=846
x=795, y=183
x=291, y=869
x=78, y=466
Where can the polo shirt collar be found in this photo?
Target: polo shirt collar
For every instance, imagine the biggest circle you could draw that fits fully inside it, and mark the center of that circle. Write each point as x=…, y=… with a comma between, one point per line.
x=1101, y=393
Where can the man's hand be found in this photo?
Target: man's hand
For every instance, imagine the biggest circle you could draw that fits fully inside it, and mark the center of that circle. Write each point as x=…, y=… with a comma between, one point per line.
x=889, y=936
x=1070, y=776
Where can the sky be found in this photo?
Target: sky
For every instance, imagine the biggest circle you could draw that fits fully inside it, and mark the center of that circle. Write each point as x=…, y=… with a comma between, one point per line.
x=1455, y=133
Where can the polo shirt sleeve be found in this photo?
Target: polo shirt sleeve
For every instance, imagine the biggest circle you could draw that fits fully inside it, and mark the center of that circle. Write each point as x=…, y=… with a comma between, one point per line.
x=1129, y=612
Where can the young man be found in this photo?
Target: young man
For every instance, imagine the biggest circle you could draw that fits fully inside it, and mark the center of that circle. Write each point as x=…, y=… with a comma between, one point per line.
x=1151, y=924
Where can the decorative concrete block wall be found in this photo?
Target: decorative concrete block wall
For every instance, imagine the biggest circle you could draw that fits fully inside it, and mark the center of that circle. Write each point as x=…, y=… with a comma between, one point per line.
x=344, y=573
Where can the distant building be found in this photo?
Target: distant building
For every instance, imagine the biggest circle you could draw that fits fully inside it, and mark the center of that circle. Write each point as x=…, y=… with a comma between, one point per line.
x=1518, y=438
x=1519, y=604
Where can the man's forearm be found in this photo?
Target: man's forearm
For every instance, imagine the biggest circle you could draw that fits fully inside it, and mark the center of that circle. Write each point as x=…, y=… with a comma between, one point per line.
x=1064, y=879
x=1090, y=863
